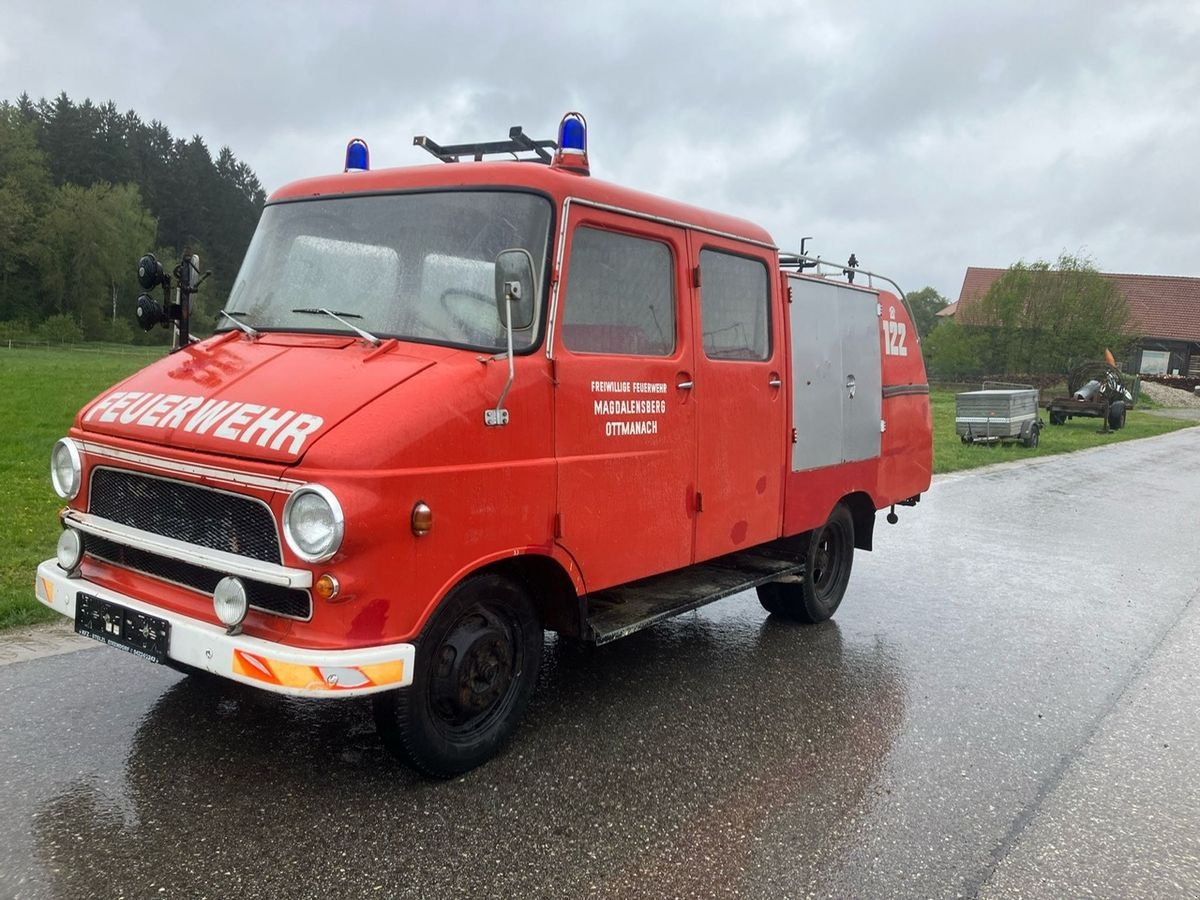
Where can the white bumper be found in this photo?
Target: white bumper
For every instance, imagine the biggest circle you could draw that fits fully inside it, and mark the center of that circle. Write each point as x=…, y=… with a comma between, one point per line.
x=263, y=664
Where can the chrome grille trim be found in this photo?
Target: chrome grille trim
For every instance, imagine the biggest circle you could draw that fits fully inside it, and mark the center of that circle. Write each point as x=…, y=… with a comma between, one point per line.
x=217, y=560
x=213, y=473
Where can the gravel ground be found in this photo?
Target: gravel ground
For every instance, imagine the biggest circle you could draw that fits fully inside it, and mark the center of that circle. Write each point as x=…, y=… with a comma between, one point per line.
x=1170, y=397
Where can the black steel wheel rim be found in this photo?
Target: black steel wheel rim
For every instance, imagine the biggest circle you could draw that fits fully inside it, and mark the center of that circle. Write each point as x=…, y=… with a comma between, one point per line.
x=829, y=558
x=474, y=681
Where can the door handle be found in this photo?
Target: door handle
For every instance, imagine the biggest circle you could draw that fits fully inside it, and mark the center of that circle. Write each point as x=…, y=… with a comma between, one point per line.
x=685, y=385
x=850, y=385
x=775, y=381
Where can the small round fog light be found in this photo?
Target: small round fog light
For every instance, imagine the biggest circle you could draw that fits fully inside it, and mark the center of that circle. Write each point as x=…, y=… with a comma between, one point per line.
x=230, y=601
x=69, y=550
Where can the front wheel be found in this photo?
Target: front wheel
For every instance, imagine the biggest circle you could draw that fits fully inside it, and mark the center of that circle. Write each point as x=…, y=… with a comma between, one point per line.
x=476, y=666
x=828, y=561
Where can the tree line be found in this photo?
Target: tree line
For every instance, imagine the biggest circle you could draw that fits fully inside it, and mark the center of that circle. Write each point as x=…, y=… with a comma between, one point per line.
x=85, y=190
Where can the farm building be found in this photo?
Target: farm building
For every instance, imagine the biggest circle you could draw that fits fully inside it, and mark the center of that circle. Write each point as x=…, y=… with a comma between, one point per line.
x=1165, y=311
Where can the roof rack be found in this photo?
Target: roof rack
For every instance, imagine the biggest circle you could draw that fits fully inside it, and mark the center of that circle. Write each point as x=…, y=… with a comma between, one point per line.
x=839, y=271
x=518, y=142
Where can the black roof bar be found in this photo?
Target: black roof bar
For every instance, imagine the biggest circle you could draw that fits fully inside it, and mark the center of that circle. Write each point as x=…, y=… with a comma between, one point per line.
x=518, y=142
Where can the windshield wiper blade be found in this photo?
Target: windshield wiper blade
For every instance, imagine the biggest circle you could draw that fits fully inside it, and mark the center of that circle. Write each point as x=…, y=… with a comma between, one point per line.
x=252, y=332
x=337, y=316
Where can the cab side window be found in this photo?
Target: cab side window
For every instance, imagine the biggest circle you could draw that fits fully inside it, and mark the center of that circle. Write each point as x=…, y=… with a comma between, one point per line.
x=620, y=295
x=735, y=306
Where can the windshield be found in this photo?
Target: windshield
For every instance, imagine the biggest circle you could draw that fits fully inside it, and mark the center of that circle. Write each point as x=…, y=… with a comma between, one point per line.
x=412, y=266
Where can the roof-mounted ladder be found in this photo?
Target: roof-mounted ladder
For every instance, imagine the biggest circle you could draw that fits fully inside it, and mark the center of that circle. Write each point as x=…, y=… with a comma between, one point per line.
x=518, y=142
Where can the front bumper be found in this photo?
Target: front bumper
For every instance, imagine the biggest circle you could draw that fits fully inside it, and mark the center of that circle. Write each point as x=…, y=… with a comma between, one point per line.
x=271, y=666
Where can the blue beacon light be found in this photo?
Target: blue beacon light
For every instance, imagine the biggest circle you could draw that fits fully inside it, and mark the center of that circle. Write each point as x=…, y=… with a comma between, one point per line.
x=572, y=143
x=358, y=156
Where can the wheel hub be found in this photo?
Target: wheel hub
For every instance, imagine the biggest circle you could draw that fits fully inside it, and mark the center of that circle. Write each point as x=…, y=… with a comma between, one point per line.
x=475, y=668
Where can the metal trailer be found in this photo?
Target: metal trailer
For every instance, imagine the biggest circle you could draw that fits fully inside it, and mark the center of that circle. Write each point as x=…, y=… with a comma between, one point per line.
x=998, y=412
x=1097, y=391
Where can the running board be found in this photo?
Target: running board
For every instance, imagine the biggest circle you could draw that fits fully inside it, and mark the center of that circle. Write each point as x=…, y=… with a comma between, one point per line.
x=622, y=610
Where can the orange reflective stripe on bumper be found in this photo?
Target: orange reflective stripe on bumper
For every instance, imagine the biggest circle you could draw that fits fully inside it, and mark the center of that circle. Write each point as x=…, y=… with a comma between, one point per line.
x=316, y=678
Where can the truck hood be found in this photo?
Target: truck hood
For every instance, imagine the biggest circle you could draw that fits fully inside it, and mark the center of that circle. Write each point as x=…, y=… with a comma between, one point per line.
x=265, y=399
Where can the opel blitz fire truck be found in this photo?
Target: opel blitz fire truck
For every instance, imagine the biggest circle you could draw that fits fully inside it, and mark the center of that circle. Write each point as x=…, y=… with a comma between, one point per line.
x=450, y=406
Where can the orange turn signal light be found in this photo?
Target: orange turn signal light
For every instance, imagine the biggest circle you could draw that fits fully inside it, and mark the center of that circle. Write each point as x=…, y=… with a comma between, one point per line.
x=326, y=587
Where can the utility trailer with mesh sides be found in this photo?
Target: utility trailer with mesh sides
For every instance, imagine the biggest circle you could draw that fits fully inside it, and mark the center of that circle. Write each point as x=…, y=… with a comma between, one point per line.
x=998, y=412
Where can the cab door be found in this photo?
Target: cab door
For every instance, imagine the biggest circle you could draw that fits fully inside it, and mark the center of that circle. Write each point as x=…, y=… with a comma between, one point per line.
x=625, y=418
x=740, y=395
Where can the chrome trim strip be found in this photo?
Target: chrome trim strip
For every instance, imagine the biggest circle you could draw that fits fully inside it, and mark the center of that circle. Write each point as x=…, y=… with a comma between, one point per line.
x=217, y=560
x=903, y=390
x=557, y=274
x=213, y=473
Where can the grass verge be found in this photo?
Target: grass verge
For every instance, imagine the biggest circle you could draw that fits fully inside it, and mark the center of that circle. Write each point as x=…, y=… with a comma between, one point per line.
x=40, y=392
x=950, y=454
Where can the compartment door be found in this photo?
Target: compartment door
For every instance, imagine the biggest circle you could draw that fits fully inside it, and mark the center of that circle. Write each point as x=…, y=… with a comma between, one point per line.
x=837, y=397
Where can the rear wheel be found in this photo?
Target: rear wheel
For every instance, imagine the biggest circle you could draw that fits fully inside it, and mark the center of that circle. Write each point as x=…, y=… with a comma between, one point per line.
x=476, y=666
x=1032, y=436
x=828, y=561
x=1057, y=418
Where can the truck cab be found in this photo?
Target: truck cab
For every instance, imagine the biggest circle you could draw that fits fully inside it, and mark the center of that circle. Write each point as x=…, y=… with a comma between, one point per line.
x=450, y=406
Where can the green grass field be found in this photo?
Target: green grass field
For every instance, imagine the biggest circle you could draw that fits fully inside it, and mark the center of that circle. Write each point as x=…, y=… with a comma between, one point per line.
x=950, y=454
x=41, y=390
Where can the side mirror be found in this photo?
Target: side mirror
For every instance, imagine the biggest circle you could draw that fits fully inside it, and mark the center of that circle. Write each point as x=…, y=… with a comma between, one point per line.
x=514, y=278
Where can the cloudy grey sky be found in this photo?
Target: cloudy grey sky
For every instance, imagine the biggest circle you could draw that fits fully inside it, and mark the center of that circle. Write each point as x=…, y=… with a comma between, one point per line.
x=924, y=136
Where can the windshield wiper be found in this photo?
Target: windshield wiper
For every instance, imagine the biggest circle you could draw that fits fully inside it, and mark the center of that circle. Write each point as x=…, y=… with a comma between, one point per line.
x=252, y=332
x=362, y=333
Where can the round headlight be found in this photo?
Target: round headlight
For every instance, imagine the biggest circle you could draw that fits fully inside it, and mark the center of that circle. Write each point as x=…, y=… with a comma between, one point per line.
x=313, y=523
x=230, y=601
x=70, y=549
x=65, y=468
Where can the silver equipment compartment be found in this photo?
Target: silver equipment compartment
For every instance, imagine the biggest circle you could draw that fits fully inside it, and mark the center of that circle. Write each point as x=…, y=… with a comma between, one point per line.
x=837, y=377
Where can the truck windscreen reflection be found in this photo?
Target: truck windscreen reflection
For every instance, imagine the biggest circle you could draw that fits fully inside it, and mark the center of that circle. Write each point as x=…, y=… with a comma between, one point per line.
x=412, y=266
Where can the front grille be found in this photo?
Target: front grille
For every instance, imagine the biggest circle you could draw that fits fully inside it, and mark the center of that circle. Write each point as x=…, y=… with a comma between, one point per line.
x=267, y=597
x=214, y=519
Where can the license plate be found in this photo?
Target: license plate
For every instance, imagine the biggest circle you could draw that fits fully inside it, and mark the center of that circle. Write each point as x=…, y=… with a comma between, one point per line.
x=118, y=626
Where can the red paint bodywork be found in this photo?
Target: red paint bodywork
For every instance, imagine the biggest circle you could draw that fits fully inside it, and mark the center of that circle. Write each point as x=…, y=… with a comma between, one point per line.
x=404, y=423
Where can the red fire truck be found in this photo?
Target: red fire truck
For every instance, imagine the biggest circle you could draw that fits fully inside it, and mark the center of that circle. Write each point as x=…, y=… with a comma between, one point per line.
x=450, y=406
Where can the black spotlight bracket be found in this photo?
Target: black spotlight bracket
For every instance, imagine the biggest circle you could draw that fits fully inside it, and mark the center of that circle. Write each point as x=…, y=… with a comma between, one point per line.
x=186, y=280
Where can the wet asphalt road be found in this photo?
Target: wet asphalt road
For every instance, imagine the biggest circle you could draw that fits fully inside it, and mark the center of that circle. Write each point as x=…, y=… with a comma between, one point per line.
x=1004, y=706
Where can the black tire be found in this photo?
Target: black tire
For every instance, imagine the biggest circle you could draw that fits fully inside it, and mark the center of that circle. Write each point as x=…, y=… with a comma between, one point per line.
x=1116, y=416
x=828, y=561
x=476, y=667
x=1057, y=418
x=1033, y=437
